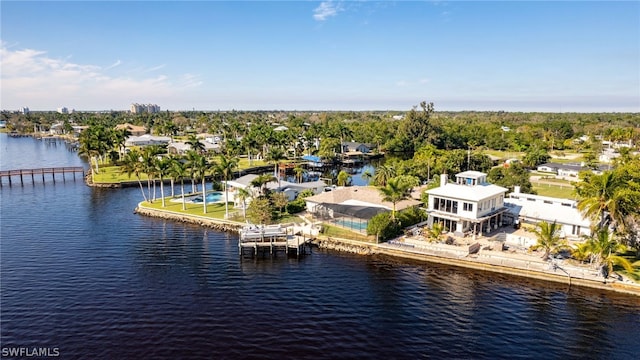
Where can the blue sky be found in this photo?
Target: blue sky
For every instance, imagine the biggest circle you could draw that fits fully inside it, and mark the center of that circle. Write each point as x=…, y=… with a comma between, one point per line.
x=310, y=55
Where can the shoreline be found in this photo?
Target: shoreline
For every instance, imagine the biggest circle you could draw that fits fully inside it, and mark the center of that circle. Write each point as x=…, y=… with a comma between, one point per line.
x=368, y=249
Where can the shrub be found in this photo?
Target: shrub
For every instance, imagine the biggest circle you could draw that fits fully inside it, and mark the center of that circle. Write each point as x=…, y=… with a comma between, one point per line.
x=382, y=226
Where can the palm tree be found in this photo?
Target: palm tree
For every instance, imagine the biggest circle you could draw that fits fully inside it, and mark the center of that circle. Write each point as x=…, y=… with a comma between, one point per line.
x=343, y=178
x=394, y=191
x=243, y=195
x=200, y=168
x=299, y=171
x=366, y=176
x=382, y=175
x=133, y=165
x=261, y=182
x=195, y=144
x=225, y=168
x=274, y=155
x=600, y=197
x=548, y=238
x=162, y=169
x=192, y=157
x=179, y=171
x=605, y=249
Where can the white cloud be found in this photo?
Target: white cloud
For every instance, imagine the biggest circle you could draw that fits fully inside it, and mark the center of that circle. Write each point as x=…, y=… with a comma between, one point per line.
x=325, y=10
x=31, y=78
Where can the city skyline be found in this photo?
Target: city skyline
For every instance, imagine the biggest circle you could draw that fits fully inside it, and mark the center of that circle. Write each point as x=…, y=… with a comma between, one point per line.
x=332, y=55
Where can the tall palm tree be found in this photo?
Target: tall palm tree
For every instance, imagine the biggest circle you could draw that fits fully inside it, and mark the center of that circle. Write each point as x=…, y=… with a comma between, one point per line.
x=225, y=167
x=600, y=197
x=192, y=157
x=548, y=238
x=179, y=171
x=394, y=191
x=274, y=155
x=299, y=171
x=243, y=195
x=201, y=168
x=162, y=169
x=133, y=165
x=605, y=249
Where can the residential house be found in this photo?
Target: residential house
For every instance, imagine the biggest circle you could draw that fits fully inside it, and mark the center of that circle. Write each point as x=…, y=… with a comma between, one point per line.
x=290, y=189
x=569, y=171
x=147, y=140
x=471, y=204
x=356, y=204
x=181, y=148
x=363, y=148
x=533, y=209
x=134, y=130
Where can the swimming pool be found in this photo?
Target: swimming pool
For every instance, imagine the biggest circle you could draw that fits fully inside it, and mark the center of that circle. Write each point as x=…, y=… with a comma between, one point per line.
x=355, y=224
x=212, y=197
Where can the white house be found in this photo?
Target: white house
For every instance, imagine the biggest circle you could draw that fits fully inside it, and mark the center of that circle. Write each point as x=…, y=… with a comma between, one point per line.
x=290, y=189
x=568, y=171
x=528, y=208
x=181, y=148
x=147, y=140
x=468, y=205
x=357, y=147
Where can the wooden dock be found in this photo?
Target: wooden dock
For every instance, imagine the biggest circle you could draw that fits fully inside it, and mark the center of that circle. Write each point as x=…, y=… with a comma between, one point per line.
x=273, y=238
x=41, y=173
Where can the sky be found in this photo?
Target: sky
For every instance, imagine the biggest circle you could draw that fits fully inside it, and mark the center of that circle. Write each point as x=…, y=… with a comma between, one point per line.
x=547, y=56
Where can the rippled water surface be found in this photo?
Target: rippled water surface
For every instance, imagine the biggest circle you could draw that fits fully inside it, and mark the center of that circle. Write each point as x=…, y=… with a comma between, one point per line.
x=81, y=272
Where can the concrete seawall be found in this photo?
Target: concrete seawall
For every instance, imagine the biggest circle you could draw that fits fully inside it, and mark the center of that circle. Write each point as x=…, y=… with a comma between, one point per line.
x=217, y=224
x=360, y=248
x=363, y=248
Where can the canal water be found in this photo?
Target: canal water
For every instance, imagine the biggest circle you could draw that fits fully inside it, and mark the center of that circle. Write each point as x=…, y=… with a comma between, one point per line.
x=81, y=274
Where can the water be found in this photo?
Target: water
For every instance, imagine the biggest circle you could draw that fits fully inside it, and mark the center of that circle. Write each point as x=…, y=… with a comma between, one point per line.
x=212, y=197
x=82, y=273
x=359, y=225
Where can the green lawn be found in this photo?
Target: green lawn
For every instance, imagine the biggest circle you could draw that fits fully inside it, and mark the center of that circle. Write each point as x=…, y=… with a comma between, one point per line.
x=335, y=231
x=556, y=191
x=214, y=211
x=111, y=174
x=504, y=154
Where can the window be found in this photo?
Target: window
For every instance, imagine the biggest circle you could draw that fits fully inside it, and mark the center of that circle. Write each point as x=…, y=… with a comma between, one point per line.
x=467, y=206
x=445, y=205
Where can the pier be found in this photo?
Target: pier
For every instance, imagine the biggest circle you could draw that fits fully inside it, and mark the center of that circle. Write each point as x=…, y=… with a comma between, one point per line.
x=40, y=173
x=272, y=237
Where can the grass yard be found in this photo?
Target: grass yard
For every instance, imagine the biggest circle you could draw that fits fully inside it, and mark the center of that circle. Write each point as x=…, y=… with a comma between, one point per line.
x=111, y=174
x=504, y=154
x=556, y=191
x=214, y=211
x=335, y=231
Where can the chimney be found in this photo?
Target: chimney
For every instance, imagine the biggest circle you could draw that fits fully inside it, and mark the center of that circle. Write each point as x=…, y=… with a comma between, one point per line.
x=516, y=189
x=444, y=179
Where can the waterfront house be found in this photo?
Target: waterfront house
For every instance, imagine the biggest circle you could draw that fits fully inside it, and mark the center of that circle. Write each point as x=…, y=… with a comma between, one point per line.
x=288, y=188
x=533, y=209
x=352, y=206
x=471, y=204
x=357, y=147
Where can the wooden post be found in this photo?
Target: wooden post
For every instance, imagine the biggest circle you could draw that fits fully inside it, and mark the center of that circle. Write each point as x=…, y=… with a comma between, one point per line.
x=21, y=180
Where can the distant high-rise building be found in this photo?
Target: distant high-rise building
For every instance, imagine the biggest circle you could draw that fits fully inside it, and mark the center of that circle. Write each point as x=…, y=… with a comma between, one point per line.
x=63, y=110
x=140, y=108
x=24, y=110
